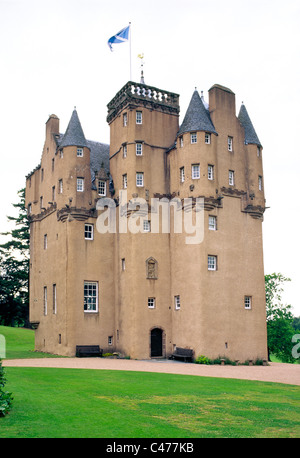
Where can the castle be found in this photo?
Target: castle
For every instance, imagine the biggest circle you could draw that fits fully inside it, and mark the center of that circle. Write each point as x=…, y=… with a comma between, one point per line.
x=154, y=241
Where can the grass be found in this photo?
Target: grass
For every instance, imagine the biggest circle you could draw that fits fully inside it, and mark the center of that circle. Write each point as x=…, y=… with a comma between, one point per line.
x=69, y=403
x=80, y=403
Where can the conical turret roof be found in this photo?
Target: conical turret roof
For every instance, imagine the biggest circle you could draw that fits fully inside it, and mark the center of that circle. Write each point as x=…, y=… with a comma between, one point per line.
x=74, y=135
x=250, y=134
x=197, y=117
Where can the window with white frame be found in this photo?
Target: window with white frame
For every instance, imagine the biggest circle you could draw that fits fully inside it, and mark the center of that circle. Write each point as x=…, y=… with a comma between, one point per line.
x=212, y=223
x=177, y=302
x=45, y=300
x=139, y=149
x=54, y=305
x=89, y=231
x=231, y=177
x=79, y=152
x=248, y=302
x=230, y=143
x=110, y=340
x=146, y=226
x=151, y=302
x=60, y=186
x=212, y=262
x=195, y=171
x=207, y=138
x=260, y=185
x=124, y=178
x=124, y=150
x=90, y=296
x=193, y=137
x=140, y=179
x=182, y=177
x=139, y=117
x=102, y=187
x=210, y=172
x=80, y=184
x=125, y=119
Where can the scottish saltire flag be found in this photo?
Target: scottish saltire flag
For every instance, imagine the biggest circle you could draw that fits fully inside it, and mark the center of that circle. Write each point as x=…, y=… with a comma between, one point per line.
x=120, y=37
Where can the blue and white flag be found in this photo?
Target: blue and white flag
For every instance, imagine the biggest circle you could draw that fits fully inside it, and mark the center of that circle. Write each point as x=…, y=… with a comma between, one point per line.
x=120, y=37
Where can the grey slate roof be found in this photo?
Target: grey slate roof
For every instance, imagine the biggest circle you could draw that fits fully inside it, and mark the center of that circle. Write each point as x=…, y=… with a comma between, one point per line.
x=197, y=117
x=74, y=135
x=250, y=134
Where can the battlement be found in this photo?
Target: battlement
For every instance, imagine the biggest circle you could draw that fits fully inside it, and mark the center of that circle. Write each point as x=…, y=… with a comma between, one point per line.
x=149, y=96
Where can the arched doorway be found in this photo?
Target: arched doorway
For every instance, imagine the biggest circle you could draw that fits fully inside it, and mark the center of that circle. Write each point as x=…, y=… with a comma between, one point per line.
x=156, y=342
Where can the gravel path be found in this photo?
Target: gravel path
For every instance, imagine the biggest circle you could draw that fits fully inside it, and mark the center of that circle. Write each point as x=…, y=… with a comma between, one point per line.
x=274, y=372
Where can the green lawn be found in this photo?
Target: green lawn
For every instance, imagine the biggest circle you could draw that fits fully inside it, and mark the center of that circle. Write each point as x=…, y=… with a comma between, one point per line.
x=80, y=403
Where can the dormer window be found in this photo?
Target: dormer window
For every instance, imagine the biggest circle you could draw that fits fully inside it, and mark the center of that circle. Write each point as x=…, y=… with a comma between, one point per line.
x=79, y=152
x=102, y=188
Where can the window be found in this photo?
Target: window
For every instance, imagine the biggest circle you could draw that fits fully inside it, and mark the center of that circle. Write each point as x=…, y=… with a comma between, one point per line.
x=139, y=149
x=248, y=302
x=125, y=119
x=79, y=152
x=29, y=208
x=193, y=137
x=53, y=193
x=45, y=241
x=210, y=172
x=140, y=179
x=89, y=232
x=207, y=138
x=139, y=118
x=230, y=143
x=102, y=188
x=182, y=177
x=90, y=296
x=177, y=302
x=42, y=175
x=123, y=263
x=195, y=171
x=53, y=164
x=212, y=262
x=61, y=153
x=45, y=300
x=151, y=302
x=41, y=202
x=181, y=141
x=146, y=226
x=260, y=185
x=125, y=181
x=212, y=223
x=110, y=340
x=54, y=299
x=258, y=151
x=60, y=186
x=231, y=177
x=80, y=184
x=124, y=150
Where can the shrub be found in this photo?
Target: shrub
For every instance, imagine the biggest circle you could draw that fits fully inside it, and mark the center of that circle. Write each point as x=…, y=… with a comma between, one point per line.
x=202, y=360
x=5, y=396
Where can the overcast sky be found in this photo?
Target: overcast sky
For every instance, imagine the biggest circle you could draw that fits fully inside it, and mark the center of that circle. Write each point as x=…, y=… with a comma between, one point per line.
x=54, y=56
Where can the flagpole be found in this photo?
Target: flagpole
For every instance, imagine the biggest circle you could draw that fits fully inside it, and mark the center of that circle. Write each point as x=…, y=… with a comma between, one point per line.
x=130, y=48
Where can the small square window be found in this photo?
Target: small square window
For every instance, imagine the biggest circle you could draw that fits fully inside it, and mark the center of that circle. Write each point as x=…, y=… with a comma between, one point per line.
x=79, y=152
x=230, y=143
x=151, y=302
x=80, y=184
x=139, y=149
x=210, y=172
x=195, y=171
x=89, y=232
x=207, y=138
x=194, y=137
x=102, y=188
x=140, y=179
x=231, y=177
x=248, y=302
x=139, y=117
x=177, y=302
x=212, y=223
x=212, y=262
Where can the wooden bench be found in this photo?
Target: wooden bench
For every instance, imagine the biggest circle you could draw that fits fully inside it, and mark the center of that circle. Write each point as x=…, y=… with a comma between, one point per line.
x=183, y=353
x=88, y=350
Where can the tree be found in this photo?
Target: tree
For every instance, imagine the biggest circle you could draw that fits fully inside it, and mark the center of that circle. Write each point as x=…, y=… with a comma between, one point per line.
x=279, y=319
x=14, y=269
